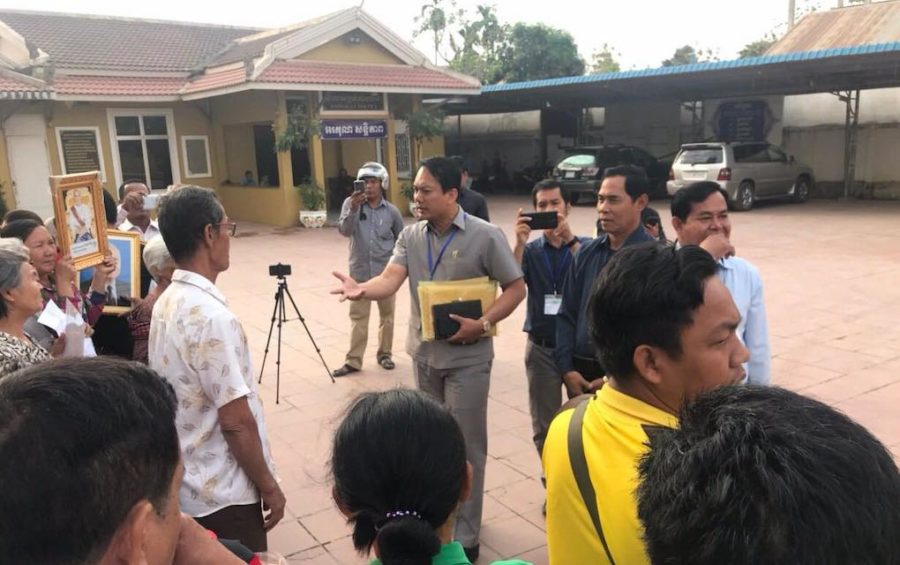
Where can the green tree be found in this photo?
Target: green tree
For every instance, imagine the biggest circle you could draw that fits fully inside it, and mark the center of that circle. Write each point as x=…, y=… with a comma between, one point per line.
x=688, y=55
x=604, y=60
x=538, y=51
x=436, y=19
x=758, y=47
x=478, y=45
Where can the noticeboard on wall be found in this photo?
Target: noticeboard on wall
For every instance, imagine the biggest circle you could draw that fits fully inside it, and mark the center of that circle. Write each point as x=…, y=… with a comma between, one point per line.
x=746, y=120
x=353, y=102
x=79, y=150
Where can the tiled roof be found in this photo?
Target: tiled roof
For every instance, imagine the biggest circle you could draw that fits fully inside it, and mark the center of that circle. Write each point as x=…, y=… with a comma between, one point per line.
x=117, y=86
x=878, y=22
x=252, y=46
x=13, y=87
x=121, y=44
x=99, y=56
x=212, y=81
x=352, y=74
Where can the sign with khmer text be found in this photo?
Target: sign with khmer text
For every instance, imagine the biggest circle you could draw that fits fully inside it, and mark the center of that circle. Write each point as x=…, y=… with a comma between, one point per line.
x=352, y=102
x=353, y=129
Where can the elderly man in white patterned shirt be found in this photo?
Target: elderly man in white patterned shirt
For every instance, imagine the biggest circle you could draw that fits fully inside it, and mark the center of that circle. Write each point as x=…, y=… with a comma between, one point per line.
x=198, y=345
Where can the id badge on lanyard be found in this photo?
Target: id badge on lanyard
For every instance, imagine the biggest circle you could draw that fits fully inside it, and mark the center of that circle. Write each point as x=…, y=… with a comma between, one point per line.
x=552, y=303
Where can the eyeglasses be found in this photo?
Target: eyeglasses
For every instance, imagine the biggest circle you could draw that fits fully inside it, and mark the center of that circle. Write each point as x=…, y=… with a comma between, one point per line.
x=232, y=227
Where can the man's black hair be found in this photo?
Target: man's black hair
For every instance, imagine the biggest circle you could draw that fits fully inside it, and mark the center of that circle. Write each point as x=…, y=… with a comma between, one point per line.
x=683, y=201
x=646, y=295
x=549, y=184
x=81, y=442
x=445, y=171
x=183, y=216
x=764, y=475
x=636, y=182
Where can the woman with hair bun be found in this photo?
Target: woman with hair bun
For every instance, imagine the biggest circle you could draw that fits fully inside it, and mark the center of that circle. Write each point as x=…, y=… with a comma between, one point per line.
x=400, y=474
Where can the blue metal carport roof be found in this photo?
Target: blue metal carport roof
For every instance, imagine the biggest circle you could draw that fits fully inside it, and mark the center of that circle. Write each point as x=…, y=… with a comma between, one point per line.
x=826, y=70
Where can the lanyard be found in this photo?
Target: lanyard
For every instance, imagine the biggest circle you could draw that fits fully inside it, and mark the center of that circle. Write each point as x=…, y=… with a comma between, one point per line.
x=556, y=276
x=432, y=265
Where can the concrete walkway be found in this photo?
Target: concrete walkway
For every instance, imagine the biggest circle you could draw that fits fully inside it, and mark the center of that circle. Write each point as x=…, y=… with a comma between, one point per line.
x=832, y=280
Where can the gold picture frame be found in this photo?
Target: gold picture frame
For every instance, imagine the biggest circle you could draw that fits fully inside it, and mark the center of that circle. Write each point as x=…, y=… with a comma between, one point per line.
x=126, y=281
x=80, y=217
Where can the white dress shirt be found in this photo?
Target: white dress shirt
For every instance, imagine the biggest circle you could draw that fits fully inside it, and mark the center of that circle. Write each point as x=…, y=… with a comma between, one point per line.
x=152, y=230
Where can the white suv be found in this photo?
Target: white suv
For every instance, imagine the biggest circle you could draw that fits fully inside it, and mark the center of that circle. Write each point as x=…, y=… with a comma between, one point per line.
x=747, y=171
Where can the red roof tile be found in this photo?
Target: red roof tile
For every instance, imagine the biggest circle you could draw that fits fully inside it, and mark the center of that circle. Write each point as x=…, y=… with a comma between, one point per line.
x=117, y=86
x=211, y=81
x=351, y=74
x=11, y=84
x=121, y=44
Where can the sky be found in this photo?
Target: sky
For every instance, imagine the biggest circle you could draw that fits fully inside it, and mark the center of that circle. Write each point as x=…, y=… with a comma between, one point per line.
x=642, y=33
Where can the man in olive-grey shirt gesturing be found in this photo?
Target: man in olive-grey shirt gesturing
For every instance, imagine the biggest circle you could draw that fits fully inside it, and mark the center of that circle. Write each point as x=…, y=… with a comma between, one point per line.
x=445, y=245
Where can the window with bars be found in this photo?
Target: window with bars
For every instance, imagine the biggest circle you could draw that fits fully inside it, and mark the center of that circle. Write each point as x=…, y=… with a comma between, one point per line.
x=143, y=142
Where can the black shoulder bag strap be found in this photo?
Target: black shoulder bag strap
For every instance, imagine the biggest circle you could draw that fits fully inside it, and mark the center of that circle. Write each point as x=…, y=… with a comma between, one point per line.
x=582, y=475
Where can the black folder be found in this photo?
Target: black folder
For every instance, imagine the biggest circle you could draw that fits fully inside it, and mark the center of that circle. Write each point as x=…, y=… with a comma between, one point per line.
x=444, y=325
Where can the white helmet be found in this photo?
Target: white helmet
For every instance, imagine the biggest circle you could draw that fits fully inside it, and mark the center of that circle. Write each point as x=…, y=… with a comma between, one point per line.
x=373, y=170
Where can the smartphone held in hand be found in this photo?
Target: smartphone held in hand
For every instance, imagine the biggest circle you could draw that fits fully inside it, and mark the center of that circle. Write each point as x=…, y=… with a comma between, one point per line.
x=151, y=201
x=543, y=220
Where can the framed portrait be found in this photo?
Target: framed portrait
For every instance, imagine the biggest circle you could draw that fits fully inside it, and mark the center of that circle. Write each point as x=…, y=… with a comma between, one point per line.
x=125, y=283
x=80, y=217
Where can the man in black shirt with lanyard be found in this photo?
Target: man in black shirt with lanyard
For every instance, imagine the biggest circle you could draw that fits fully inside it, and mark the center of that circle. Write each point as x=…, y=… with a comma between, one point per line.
x=544, y=263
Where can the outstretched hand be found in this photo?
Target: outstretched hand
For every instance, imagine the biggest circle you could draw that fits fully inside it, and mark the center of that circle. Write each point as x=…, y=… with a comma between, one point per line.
x=349, y=289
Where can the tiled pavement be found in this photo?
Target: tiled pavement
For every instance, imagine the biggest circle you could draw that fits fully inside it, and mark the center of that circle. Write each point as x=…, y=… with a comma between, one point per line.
x=832, y=280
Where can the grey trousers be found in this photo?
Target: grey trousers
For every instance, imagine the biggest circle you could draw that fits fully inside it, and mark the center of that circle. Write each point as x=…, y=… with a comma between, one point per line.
x=545, y=387
x=464, y=391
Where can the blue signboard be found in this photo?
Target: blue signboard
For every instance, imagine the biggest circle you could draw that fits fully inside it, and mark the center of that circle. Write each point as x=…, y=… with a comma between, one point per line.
x=743, y=121
x=353, y=129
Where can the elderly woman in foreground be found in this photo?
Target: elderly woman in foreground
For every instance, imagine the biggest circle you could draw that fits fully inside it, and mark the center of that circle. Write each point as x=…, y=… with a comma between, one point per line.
x=20, y=298
x=161, y=266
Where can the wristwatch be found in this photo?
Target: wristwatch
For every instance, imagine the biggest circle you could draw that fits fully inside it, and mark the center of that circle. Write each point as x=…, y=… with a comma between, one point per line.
x=485, y=324
x=573, y=242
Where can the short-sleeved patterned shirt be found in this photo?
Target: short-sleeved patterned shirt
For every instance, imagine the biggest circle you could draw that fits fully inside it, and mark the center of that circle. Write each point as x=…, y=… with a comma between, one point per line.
x=199, y=346
x=16, y=354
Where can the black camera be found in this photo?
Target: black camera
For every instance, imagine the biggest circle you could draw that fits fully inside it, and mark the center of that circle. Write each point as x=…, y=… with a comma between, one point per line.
x=359, y=186
x=280, y=270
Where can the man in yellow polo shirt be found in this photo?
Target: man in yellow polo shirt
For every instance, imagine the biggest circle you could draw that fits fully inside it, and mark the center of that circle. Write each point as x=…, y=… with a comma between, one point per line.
x=664, y=328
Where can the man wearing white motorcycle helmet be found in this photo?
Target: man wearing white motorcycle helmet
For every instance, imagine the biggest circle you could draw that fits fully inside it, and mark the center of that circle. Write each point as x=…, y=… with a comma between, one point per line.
x=372, y=224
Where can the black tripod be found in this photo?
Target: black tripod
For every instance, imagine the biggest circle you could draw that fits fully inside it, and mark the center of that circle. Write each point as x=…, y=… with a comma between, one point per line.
x=280, y=315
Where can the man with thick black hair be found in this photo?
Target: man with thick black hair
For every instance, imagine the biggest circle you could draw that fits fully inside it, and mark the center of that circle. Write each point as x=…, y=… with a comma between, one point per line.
x=622, y=195
x=764, y=475
x=90, y=468
x=664, y=327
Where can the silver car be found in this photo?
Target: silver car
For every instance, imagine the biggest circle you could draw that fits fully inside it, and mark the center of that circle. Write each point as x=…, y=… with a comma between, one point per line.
x=748, y=171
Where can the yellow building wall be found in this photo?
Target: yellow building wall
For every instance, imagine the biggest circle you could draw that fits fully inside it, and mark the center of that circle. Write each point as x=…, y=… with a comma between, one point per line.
x=240, y=152
x=188, y=118
x=333, y=158
x=368, y=51
x=233, y=118
x=356, y=152
x=5, y=174
x=430, y=148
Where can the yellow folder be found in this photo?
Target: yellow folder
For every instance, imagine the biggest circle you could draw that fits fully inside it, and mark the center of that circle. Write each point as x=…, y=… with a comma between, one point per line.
x=432, y=293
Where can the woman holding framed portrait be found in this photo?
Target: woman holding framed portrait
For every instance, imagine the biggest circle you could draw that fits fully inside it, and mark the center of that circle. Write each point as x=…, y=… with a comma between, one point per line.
x=58, y=275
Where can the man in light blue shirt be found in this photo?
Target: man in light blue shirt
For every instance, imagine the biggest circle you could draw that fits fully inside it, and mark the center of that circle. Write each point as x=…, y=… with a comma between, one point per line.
x=700, y=217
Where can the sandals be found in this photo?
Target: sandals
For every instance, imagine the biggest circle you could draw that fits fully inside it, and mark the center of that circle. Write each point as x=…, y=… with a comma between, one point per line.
x=387, y=363
x=344, y=371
